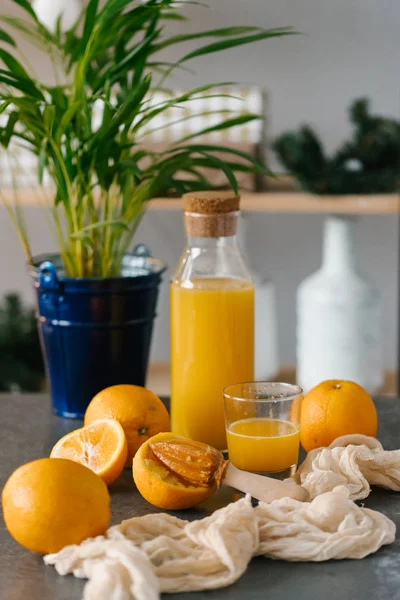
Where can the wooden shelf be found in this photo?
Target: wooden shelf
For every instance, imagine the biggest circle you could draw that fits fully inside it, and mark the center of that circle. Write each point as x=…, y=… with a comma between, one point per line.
x=159, y=379
x=269, y=202
x=296, y=202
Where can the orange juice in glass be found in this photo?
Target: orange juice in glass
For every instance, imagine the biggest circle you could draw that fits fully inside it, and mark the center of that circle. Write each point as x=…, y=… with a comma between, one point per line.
x=262, y=423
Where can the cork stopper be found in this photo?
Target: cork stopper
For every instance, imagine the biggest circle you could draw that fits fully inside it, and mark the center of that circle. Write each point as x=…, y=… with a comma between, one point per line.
x=210, y=202
x=211, y=213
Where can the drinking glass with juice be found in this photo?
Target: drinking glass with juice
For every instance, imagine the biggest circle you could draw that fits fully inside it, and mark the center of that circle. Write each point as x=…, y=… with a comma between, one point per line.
x=262, y=423
x=212, y=318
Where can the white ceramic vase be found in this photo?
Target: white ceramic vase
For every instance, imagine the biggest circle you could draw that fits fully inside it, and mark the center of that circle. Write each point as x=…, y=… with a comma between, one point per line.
x=339, y=316
x=48, y=11
x=266, y=355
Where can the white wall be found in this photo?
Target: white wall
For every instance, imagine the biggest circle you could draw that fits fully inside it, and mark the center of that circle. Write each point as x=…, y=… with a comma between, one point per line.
x=349, y=48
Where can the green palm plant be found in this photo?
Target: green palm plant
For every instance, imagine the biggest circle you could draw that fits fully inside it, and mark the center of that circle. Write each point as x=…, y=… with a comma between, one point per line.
x=110, y=60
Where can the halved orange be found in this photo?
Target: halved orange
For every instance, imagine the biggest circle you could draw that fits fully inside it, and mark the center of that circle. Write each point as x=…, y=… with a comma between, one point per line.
x=101, y=446
x=161, y=487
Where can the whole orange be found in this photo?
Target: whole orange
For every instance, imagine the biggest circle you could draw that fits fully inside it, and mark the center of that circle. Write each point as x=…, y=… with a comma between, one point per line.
x=52, y=502
x=140, y=412
x=334, y=408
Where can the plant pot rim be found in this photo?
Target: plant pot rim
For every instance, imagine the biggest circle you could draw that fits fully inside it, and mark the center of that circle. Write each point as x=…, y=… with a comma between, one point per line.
x=135, y=265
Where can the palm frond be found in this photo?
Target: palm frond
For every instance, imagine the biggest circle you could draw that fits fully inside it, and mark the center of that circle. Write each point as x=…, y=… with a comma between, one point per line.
x=101, y=173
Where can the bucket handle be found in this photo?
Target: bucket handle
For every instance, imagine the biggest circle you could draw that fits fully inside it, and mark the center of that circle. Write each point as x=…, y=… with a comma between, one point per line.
x=48, y=279
x=142, y=250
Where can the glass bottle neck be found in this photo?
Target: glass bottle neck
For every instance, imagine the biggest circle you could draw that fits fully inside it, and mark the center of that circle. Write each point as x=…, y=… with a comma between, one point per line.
x=230, y=241
x=212, y=257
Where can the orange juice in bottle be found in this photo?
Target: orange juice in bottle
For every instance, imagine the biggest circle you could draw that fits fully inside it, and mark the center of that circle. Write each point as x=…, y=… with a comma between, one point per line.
x=212, y=318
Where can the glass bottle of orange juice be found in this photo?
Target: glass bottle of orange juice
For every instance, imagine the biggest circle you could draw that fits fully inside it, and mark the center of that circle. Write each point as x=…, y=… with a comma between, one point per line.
x=212, y=318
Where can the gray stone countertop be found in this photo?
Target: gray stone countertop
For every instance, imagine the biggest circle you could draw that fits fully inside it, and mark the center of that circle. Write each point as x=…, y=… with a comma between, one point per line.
x=28, y=430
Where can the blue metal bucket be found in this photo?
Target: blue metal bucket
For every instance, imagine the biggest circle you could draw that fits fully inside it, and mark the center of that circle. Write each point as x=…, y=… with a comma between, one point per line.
x=95, y=332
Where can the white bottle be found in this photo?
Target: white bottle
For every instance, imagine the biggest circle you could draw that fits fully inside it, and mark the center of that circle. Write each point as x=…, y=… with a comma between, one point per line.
x=266, y=359
x=339, y=316
x=266, y=355
x=48, y=12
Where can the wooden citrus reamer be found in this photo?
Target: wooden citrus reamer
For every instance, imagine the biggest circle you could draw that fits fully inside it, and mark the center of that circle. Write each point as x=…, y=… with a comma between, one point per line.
x=202, y=465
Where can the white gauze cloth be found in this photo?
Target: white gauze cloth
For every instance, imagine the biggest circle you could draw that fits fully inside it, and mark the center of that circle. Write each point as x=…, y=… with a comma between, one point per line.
x=356, y=461
x=136, y=561
x=330, y=527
